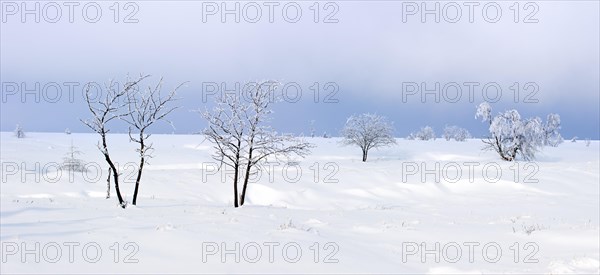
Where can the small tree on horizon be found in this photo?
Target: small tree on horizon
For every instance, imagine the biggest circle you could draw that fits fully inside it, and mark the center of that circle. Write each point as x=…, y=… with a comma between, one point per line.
x=368, y=131
x=456, y=133
x=425, y=133
x=312, y=129
x=19, y=132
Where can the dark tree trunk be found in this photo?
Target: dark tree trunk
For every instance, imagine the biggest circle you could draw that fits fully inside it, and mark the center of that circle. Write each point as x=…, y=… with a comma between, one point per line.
x=364, y=158
x=249, y=164
x=248, y=167
x=504, y=155
x=235, y=183
x=137, y=181
x=139, y=175
x=247, y=176
x=513, y=155
x=108, y=183
x=236, y=175
x=116, y=179
x=115, y=173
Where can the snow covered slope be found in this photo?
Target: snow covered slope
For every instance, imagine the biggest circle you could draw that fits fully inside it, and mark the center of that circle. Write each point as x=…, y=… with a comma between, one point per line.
x=398, y=212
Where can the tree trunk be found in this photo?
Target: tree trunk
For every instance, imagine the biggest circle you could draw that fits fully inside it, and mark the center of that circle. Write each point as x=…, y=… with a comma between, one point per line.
x=248, y=167
x=246, y=177
x=139, y=175
x=108, y=183
x=235, y=189
x=115, y=172
x=236, y=174
x=501, y=152
x=514, y=154
x=137, y=181
x=116, y=179
x=364, y=158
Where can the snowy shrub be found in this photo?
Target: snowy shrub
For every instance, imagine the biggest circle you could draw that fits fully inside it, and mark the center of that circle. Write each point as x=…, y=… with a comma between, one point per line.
x=426, y=133
x=71, y=162
x=19, y=132
x=511, y=135
x=456, y=133
x=368, y=131
x=67, y=131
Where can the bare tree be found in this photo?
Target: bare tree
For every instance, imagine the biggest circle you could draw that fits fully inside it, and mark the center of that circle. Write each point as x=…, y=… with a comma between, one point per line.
x=262, y=141
x=107, y=108
x=368, y=131
x=241, y=138
x=146, y=108
x=226, y=130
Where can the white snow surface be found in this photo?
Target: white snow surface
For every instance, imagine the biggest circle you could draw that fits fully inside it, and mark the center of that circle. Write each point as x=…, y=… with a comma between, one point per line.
x=363, y=223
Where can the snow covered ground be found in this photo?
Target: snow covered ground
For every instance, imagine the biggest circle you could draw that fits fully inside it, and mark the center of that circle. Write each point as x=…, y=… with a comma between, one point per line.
x=388, y=215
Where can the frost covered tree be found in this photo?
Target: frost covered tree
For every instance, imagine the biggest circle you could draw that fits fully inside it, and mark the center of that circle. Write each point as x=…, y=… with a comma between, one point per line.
x=510, y=135
x=552, y=126
x=456, y=133
x=368, y=131
x=530, y=137
x=425, y=133
x=449, y=132
x=462, y=134
x=242, y=137
x=145, y=109
x=71, y=162
x=225, y=130
x=19, y=132
x=105, y=109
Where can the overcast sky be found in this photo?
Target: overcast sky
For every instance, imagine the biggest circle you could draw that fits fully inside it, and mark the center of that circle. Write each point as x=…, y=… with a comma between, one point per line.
x=367, y=56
